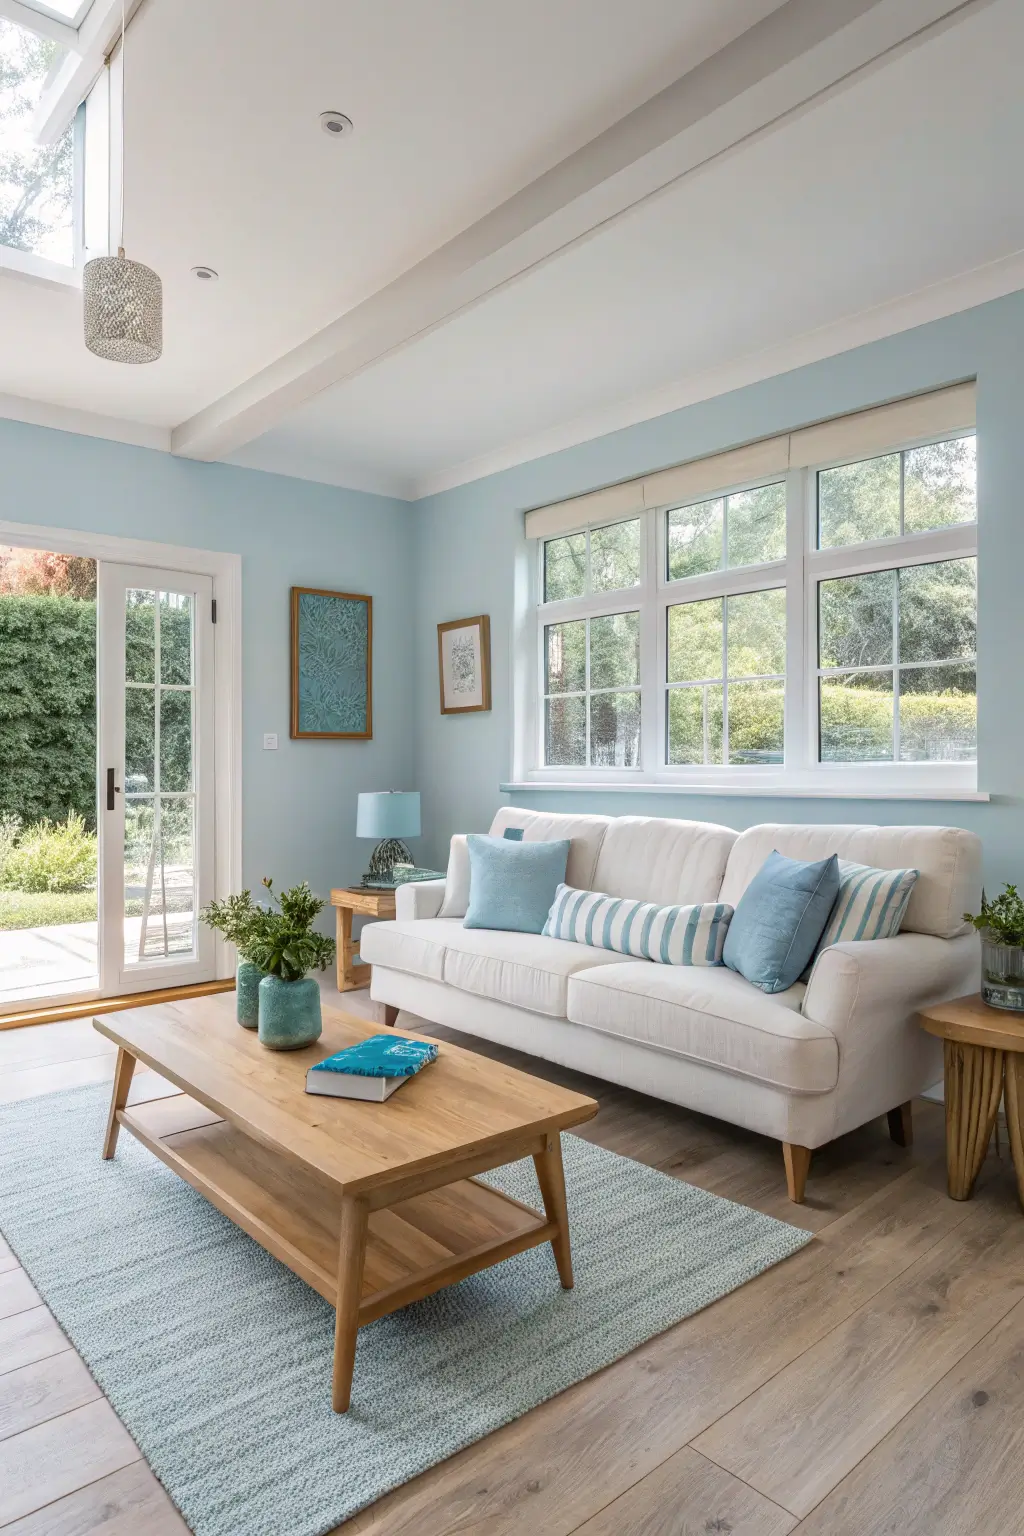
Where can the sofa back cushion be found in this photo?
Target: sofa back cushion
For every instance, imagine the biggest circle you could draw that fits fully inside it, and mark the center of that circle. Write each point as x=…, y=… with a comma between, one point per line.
x=948, y=860
x=585, y=834
x=668, y=862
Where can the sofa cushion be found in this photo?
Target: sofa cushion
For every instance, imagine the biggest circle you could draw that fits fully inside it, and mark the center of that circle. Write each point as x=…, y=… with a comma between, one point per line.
x=649, y=858
x=779, y=919
x=668, y=935
x=711, y=1016
x=585, y=833
x=416, y=946
x=513, y=884
x=948, y=861
x=524, y=969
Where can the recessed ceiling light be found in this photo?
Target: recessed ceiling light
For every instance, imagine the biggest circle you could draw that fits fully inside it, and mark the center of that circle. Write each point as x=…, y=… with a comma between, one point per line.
x=205, y=274
x=335, y=123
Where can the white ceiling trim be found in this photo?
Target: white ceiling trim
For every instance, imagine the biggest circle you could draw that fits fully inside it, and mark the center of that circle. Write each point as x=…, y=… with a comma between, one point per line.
x=99, y=35
x=978, y=286
x=37, y=21
x=791, y=57
x=63, y=418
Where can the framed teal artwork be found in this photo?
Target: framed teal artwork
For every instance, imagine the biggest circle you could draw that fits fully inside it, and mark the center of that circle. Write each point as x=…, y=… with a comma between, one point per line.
x=332, y=653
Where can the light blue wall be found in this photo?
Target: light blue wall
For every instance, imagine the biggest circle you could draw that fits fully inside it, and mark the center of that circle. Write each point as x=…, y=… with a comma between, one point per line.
x=298, y=802
x=469, y=540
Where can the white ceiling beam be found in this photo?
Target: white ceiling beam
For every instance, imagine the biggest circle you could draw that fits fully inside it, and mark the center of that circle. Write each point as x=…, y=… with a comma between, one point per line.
x=36, y=21
x=95, y=39
x=797, y=53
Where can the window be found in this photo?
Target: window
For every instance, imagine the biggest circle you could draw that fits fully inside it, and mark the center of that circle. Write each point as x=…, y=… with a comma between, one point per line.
x=36, y=180
x=54, y=153
x=815, y=628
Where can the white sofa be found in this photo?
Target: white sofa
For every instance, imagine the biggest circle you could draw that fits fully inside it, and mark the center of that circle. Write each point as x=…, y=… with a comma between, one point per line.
x=803, y=1066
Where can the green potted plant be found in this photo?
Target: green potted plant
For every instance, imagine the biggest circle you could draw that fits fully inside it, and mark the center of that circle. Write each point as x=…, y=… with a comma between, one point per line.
x=286, y=949
x=1001, y=925
x=241, y=920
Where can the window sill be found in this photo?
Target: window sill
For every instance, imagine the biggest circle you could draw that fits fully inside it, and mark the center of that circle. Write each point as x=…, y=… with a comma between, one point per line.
x=748, y=790
x=38, y=269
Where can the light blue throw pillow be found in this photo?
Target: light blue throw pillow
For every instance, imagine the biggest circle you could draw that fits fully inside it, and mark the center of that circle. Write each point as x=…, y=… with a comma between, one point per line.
x=779, y=919
x=512, y=884
x=692, y=935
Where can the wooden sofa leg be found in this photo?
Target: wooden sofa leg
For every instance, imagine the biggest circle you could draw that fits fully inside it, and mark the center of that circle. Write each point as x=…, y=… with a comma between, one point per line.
x=901, y=1125
x=798, y=1161
x=389, y=1013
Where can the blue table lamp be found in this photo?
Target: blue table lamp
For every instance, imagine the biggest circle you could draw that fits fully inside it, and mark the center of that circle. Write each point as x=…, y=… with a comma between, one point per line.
x=389, y=816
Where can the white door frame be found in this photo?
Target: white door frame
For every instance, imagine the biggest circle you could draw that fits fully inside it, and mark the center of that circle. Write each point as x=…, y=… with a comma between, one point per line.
x=225, y=568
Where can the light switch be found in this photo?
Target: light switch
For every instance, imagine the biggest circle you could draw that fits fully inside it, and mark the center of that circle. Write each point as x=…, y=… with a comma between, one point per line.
x=270, y=741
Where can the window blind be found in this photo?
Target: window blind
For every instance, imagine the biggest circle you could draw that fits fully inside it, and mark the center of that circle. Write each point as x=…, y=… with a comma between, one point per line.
x=862, y=435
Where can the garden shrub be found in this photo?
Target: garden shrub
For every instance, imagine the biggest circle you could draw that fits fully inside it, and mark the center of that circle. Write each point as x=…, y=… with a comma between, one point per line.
x=48, y=857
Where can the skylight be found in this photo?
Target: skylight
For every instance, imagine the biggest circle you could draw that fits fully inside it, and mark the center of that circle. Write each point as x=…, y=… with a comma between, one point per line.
x=36, y=180
x=71, y=11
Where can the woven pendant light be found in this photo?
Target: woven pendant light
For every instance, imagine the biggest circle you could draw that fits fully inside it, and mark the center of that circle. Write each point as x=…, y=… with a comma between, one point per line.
x=123, y=300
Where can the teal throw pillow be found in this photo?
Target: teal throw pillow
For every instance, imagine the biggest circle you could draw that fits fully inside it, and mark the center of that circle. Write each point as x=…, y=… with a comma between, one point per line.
x=779, y=919
x=512, y=884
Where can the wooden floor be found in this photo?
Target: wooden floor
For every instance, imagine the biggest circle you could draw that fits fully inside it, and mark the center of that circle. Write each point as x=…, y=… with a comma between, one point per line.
x=873, y=1383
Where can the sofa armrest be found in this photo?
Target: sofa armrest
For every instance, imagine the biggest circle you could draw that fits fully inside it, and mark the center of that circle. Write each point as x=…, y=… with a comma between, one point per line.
x=419, y=898
x=867, y=995
x=856, y=986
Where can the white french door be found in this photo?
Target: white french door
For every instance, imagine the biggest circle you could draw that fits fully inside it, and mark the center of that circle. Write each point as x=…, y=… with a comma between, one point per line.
x=156, y=777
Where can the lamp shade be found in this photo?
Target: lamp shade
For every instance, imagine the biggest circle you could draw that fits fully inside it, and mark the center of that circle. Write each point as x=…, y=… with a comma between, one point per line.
x=123, y=306
x=392, y=814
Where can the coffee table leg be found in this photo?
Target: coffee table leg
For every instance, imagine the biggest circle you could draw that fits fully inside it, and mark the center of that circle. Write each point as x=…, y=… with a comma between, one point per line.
x=119, y=1098
x=1014, y=1098
x=551, y=1178
x=974, y=1085
x=351, y=1256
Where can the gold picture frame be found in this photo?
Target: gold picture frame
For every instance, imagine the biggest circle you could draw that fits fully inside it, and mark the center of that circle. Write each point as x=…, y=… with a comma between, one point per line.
x=464, y=665
x=332, y=665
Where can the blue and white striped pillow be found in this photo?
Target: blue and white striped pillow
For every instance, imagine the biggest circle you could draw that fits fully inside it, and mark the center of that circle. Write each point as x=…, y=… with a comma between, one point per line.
x=669, y=935
x=871, y=904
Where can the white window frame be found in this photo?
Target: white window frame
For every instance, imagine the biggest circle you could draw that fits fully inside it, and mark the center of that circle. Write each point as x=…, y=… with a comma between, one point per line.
x=799, y=572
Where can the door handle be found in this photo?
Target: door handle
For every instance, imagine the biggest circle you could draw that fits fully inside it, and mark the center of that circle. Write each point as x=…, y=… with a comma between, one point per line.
x=112, y=789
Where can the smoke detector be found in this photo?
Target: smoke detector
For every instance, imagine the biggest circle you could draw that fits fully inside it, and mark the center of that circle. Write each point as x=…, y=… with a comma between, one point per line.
x=335, y=123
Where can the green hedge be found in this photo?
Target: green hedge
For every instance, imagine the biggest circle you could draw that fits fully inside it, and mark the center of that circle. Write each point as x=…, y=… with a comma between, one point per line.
x=48, y=708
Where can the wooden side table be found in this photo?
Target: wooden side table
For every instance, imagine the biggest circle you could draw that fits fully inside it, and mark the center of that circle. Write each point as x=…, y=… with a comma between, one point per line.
x=349, y=901
x=983, y=1049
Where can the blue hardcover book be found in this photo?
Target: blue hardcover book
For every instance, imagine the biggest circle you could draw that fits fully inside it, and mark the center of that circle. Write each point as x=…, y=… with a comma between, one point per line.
x=371, y=1070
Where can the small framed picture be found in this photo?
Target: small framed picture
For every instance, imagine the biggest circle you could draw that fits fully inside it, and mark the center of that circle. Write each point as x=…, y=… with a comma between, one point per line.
x=464, y=664
x=332, y=665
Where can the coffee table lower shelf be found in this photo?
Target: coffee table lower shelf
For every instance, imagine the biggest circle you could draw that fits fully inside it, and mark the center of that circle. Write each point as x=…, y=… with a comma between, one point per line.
x=412, y=1248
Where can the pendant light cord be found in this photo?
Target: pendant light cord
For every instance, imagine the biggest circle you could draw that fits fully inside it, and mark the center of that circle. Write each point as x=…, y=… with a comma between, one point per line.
x=120, y=241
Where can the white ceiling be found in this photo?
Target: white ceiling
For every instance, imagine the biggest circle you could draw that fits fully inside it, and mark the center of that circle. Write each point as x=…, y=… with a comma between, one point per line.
x=901, y=178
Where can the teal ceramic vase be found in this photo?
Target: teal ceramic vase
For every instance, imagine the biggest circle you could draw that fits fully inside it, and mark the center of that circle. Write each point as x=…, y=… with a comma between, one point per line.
x=289, y=1013
x=247, y=995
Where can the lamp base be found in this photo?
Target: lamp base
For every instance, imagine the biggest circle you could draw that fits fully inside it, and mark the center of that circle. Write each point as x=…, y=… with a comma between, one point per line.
x=384, y=858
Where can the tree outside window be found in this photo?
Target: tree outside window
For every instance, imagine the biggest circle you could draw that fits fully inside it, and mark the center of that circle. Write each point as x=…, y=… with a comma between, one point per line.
x=36, y=180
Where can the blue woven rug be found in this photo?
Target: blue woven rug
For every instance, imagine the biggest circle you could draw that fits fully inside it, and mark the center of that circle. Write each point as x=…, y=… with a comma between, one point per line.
x=218, y=1359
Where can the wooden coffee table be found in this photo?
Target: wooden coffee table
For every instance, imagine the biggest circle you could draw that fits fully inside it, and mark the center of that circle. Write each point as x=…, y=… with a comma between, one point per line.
x=373, y=1205
x=983, y=1049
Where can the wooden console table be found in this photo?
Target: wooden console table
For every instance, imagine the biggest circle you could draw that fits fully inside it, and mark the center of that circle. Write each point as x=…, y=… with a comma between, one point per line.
x=983, y=1049
x=349, y=901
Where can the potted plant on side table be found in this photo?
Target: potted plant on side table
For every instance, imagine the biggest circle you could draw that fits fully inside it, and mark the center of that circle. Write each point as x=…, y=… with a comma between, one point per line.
x=1001, y=925
x=241, y=920
x=286, y=949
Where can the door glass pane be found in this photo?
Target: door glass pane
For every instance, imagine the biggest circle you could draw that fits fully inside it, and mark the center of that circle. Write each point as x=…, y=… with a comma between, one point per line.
x=756, y=525
x=615, y=556
x=856, y=718
x=176, y=739
x=175, y=638
x=140, y=740
x=859, y=501
x=159, y=786
x=139, y=636
x=695, y=539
